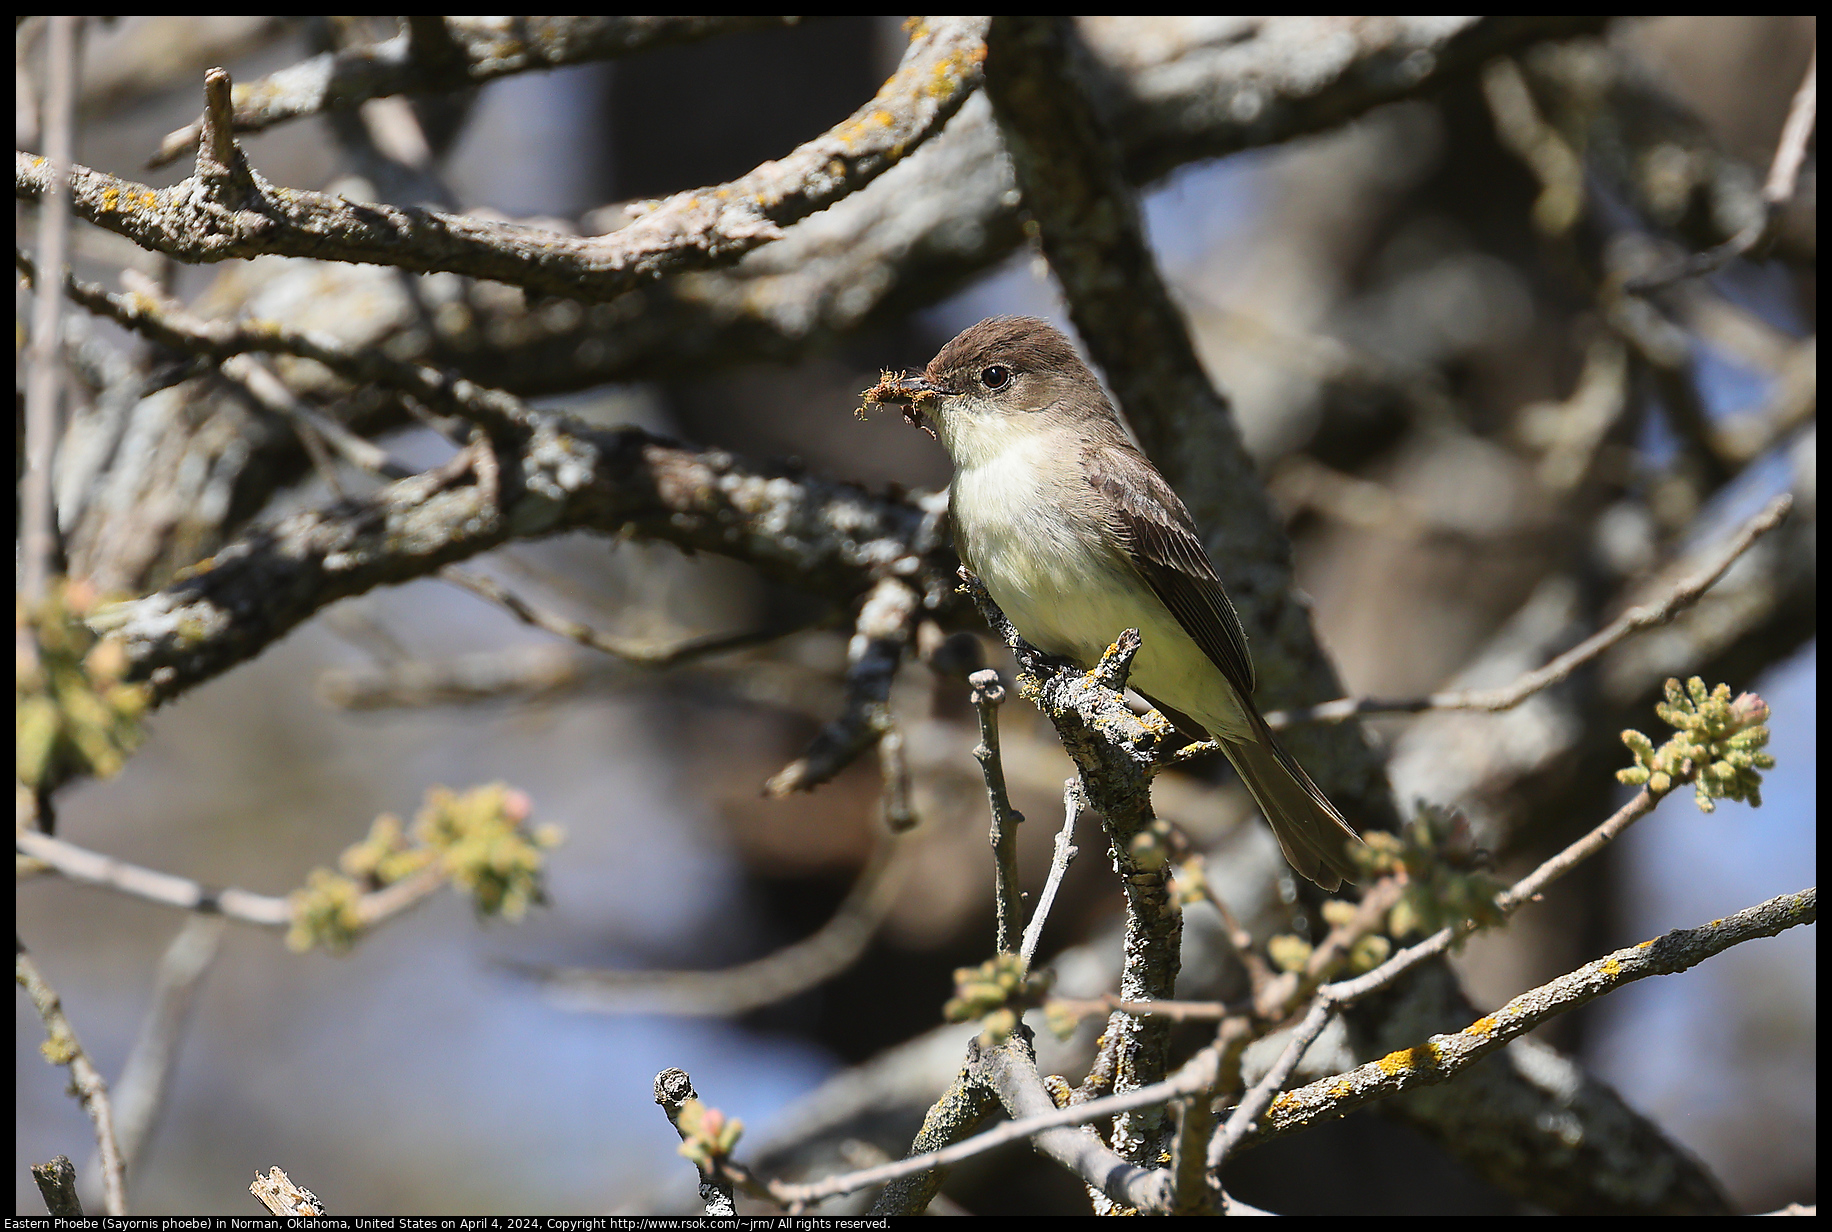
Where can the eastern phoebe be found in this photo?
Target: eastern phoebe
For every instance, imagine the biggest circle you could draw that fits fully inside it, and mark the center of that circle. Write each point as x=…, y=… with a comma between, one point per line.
x=1077, y=537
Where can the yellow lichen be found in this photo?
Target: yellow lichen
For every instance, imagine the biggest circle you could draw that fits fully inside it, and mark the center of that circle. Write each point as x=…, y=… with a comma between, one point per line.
x=1483, y=1026
x=1408, y=1060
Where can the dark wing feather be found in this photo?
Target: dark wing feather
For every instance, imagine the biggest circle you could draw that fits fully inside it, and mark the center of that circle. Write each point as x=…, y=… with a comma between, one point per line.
x=1169, y=555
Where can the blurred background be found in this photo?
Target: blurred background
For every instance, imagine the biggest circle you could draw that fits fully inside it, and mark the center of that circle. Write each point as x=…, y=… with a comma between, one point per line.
x=1482, y=454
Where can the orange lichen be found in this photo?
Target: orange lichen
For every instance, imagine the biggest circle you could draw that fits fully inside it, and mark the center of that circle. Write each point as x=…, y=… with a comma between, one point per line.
x=1483, y=1026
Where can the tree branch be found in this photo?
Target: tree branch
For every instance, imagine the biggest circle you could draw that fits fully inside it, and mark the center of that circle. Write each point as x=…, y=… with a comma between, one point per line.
x=218, y=217
x=475, y=50
x=1686, y=592
x=86, y=1081
x=1442, y=1057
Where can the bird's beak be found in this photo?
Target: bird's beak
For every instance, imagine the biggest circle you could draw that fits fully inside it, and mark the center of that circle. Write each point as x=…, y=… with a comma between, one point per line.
x=912, y=389
x=909, y=392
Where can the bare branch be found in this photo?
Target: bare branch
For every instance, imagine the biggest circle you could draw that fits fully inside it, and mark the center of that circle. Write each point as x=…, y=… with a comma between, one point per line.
x=87, y=867
x=463, y=52
x=44, y=376
x=1442, y=1057
x=235, y=213
x=280, y=1194
x=1010, y=1071
x=1777, y=191
x=641, y=653
x=86, y=1081
x=565, y=476
x=139, y=1093
x=1074, y=803
x=988, y=695
x=57, y=1185
x=1685, y=593
x=883, y=633
x=738, y=990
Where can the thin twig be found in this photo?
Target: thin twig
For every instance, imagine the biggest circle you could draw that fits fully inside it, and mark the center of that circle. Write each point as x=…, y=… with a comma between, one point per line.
x=1332, y=997
x=1683, y=595
x=86, y=1081
x=315, y=428
x=1074, y=802
x=673, y=1089
x=1176, y=1011
x=748, y=986
x=988, y=694
x=477, y=50
x=512, y=671
x=1791, y=147
x=44, y=380
x=1777, y=191
x=170, y=324
x=87, y=867
x=885, y=629
x=139, y=1093
x=1233, y=933
x=630, y=650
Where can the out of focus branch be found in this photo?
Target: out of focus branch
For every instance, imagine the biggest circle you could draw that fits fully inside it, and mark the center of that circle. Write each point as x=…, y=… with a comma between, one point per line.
x=748, y=986
x=139, y=1093
x=641, y=653
x=1777, y=191
x=38, y=538
x=465, y=51
x=885, y=628
x=1683, y=595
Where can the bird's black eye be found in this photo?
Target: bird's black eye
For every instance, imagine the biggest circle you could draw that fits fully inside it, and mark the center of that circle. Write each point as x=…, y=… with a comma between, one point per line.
x=996, y=377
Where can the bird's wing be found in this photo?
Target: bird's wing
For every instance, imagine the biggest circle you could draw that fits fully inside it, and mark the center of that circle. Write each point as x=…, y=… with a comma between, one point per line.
x=1169, y=556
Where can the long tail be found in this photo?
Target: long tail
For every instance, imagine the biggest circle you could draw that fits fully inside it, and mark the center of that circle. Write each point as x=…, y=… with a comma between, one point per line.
x=1311, y=833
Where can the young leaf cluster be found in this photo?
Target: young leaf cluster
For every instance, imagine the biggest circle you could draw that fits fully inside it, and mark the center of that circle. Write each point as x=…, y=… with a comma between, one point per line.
x=1716, y=746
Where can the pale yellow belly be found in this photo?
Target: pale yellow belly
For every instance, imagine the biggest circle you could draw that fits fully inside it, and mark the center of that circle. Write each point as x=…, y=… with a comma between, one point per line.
x=1067, y=592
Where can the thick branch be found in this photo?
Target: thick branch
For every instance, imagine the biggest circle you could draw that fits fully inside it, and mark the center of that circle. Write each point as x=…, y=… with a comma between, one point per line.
x=239, y=214
x=565, y=476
